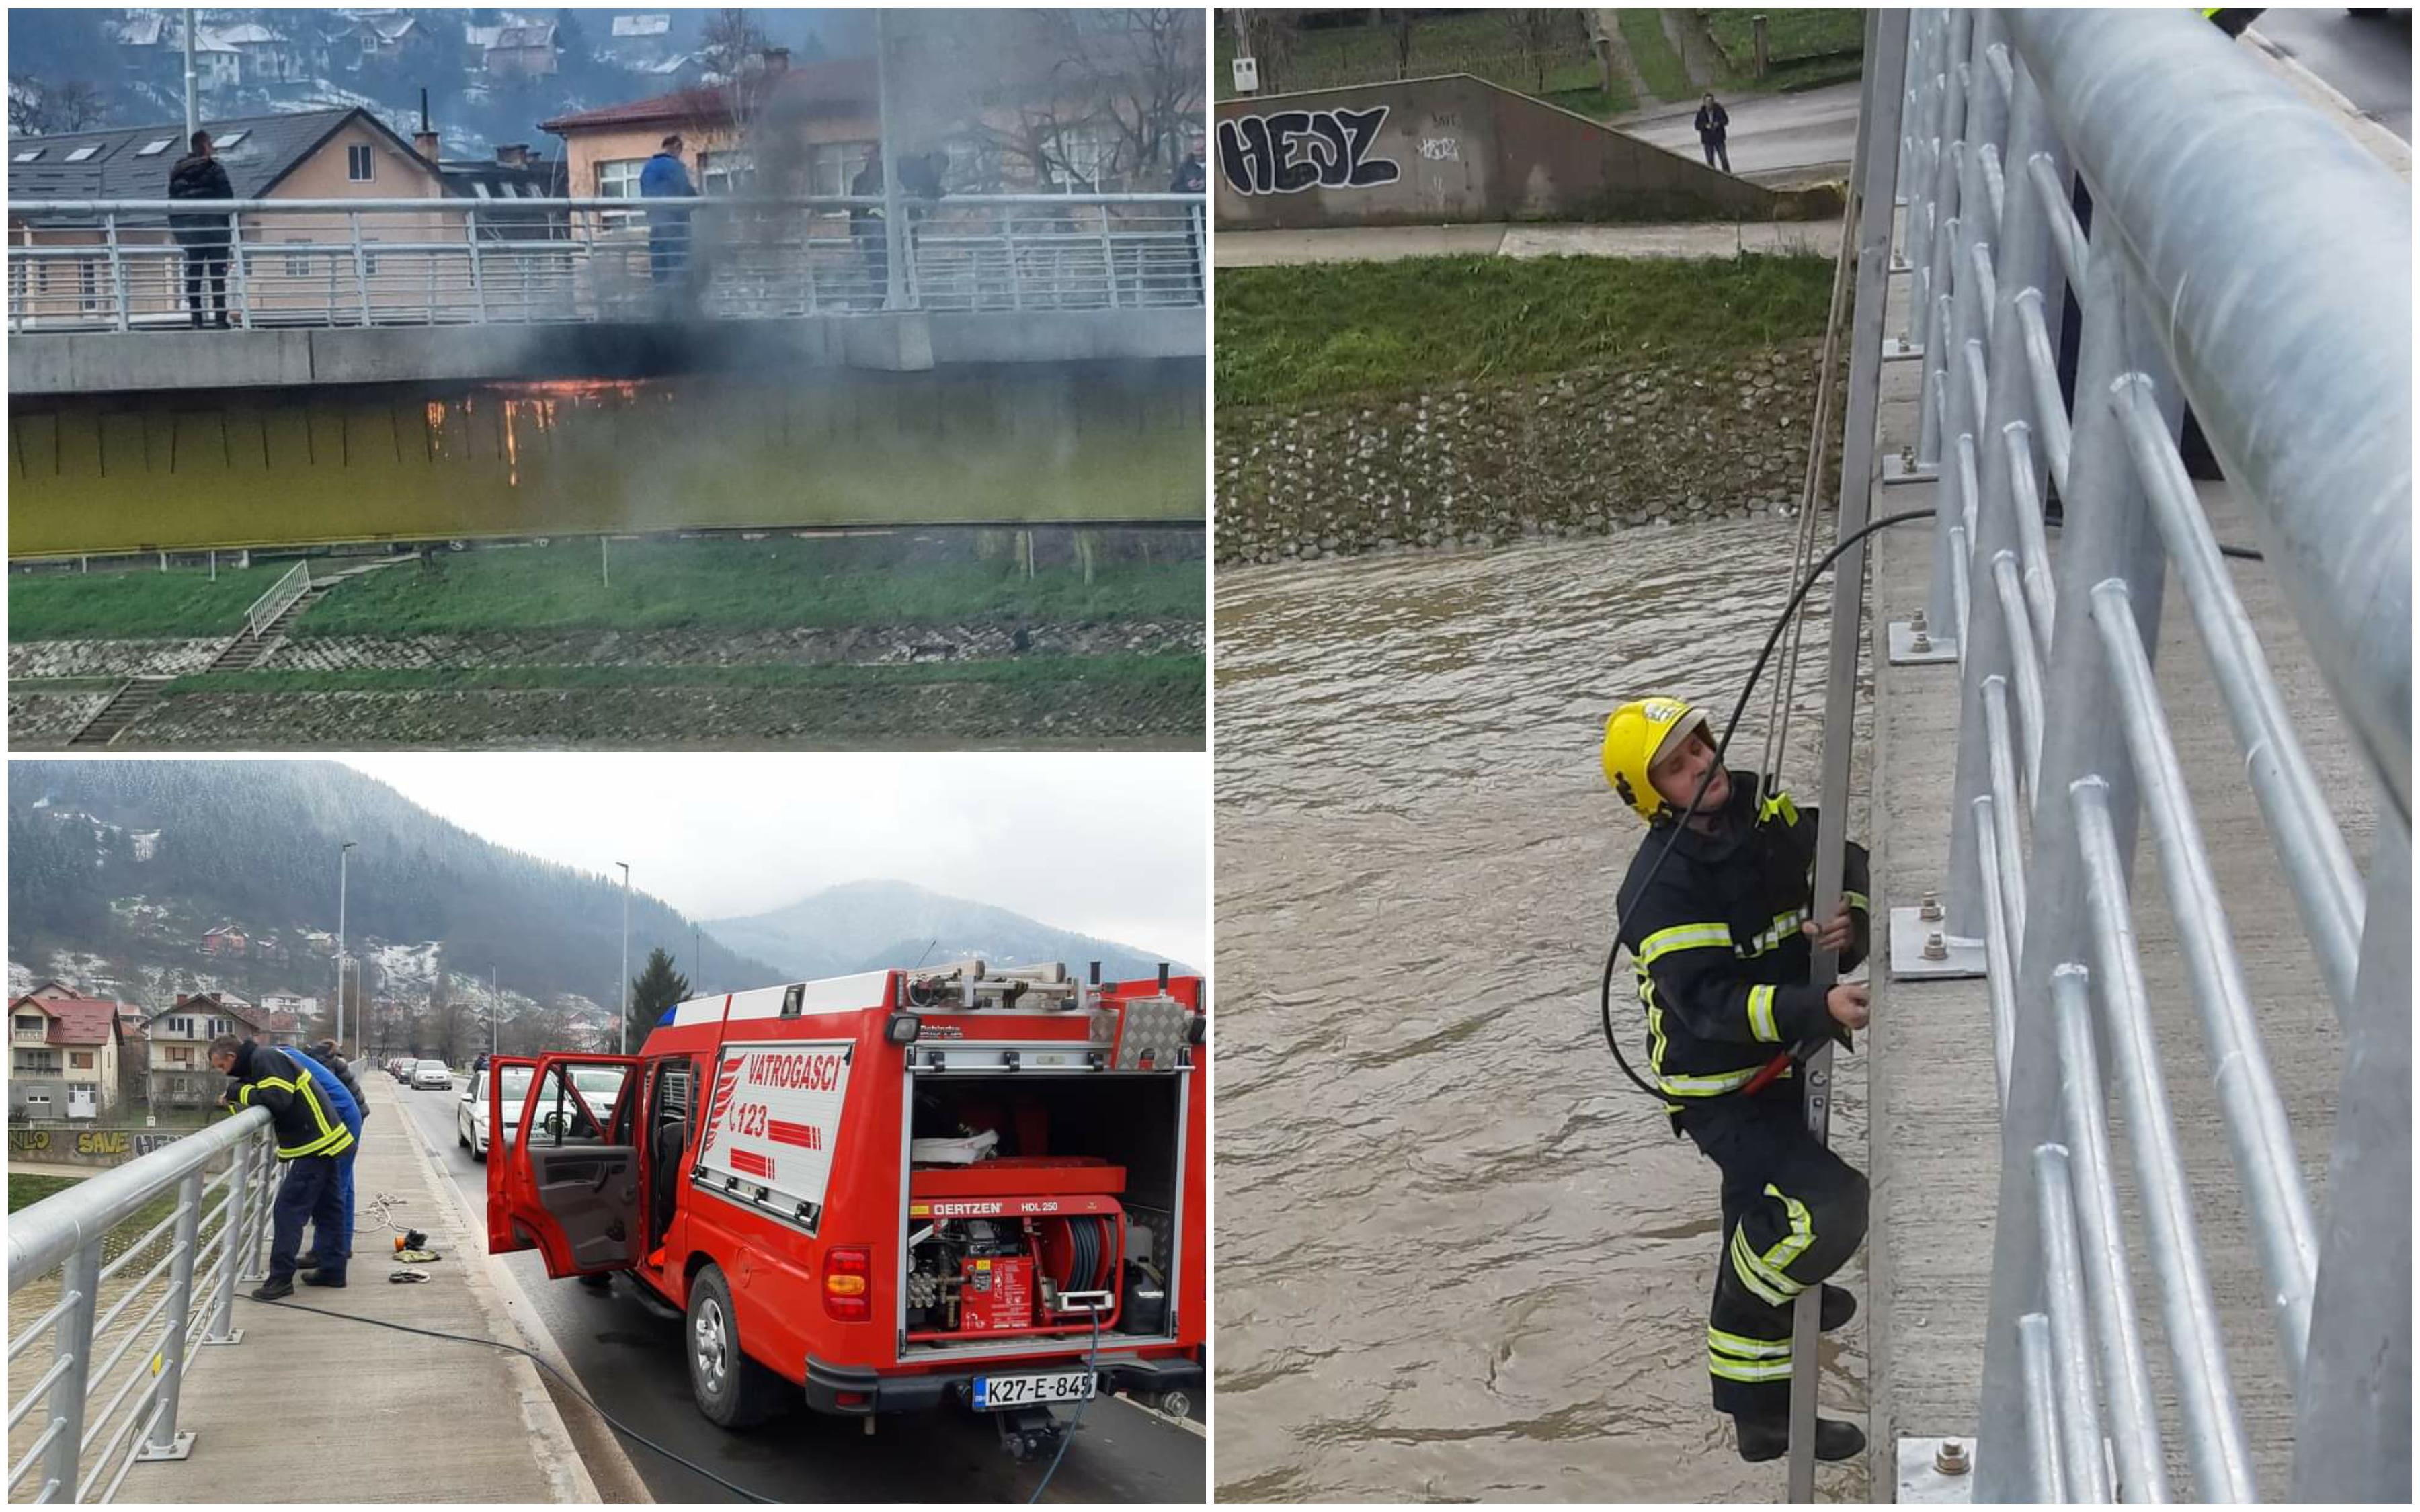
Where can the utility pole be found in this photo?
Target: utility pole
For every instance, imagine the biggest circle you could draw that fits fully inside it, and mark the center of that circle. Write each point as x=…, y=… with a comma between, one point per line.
x=696, y=962
x=345, y=853
x=625, y=1032
x=495, y=1015
x=193, y=113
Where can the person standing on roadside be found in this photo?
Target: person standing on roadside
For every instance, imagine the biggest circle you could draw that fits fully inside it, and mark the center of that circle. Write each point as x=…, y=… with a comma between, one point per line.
x=1721, y=934
x=204, y=238
x=1714, y=126
x=354, y=1109
x=666, y=177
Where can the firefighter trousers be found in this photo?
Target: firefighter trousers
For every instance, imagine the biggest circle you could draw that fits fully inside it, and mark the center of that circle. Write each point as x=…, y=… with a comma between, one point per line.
x=1793, y=1212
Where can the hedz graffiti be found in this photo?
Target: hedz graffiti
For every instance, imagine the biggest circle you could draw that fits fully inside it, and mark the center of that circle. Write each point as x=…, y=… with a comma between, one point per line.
x=961, y=1184
x=1291, y=150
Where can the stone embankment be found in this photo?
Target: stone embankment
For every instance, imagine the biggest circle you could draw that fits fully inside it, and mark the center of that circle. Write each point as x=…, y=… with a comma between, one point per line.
x=1480, y=462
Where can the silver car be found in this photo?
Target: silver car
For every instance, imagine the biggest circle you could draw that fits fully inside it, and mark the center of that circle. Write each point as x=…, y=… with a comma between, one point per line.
x=432, y=1073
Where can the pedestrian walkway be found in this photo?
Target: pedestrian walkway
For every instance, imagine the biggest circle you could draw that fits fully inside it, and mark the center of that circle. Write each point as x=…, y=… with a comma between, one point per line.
x=1934, y=1128
x=398, y=1417
x=1388, y=243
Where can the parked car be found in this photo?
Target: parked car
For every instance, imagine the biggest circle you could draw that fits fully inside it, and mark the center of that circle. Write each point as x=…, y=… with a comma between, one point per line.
x=432, y=1073
x=471, y=1114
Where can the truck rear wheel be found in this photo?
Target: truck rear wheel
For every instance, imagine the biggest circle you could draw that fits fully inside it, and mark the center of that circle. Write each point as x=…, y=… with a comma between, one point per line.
x=731, y=1390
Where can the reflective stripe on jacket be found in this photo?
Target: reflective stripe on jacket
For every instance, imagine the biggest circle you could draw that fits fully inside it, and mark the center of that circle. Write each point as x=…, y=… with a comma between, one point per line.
x=1715, y=942
x=292, y=1088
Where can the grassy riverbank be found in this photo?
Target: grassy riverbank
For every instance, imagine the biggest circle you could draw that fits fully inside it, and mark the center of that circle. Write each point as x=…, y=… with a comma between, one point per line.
x=1320, y=332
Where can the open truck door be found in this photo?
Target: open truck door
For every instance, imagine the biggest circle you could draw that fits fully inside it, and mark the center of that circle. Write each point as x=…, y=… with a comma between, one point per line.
x=567, y=1183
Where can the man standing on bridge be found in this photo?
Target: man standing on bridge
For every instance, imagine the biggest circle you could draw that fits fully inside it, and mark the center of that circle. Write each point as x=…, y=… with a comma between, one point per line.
x=1713, y=125
x=354, y=1109
x=866, y=229
x=1720, y=931
x=310, y=1138
x=199, y=175
x=666, y=177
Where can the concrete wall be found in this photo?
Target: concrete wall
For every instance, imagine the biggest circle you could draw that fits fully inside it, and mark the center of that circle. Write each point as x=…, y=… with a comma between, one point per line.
x=1458, y=148
x=97, y=1147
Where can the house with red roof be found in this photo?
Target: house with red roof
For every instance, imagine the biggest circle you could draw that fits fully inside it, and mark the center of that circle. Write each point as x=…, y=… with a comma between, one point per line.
x=63, y=1056
x=179, y=1073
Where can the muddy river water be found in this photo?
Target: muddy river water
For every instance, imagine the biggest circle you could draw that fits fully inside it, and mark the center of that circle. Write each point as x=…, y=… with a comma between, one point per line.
x=1459, y=1257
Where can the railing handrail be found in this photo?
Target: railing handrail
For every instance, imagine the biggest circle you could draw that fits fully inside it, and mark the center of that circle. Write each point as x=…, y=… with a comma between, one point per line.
x=47, y=1232
x=30, y=210
x=2218, y=176
x=293, y=584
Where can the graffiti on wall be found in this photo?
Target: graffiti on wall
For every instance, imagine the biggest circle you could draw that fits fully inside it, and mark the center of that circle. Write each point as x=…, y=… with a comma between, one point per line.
x=98, y=1146
x=1291, y=150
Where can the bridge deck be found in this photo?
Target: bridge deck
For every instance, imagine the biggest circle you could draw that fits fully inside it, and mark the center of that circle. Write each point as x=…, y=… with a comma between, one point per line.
x=414, y=1419
x=1934, y=1137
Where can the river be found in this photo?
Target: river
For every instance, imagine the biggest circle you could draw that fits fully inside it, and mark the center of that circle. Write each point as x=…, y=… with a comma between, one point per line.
x=1459, y=1257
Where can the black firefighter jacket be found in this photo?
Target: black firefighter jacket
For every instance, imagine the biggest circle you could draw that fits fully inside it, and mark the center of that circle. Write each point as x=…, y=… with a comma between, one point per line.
x=288, y=1086
x=1715, y=941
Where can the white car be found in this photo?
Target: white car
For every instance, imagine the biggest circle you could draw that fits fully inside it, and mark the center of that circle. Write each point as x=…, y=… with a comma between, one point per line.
x=471, y=1116
x=431, y=1073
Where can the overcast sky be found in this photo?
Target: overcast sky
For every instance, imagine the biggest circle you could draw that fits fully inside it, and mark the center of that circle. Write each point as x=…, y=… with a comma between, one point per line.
x=1114, y=845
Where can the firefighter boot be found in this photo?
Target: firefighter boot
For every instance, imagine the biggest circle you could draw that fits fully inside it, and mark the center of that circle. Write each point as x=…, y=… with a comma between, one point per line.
x=1840, y=1306
x=1768, y=1438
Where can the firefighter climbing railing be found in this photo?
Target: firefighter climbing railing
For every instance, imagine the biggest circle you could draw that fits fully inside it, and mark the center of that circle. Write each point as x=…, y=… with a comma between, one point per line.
x=120, y=1276
x=126, y=265
x=2240, y=252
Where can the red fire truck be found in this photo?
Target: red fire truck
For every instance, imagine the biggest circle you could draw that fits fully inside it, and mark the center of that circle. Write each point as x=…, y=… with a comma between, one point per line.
x=958, y=1184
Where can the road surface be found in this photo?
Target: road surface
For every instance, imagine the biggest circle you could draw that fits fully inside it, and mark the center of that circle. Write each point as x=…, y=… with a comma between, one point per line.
x=2367, y=59
x=1773, y=139
x=626, y=1353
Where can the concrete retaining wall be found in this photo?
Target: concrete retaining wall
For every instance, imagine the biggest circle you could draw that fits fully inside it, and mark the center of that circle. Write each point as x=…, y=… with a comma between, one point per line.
x=1458, y=148
x=1573, y=453
x=97, y=1147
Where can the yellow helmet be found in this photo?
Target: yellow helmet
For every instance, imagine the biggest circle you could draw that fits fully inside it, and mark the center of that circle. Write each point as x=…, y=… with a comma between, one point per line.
x=1635, y=735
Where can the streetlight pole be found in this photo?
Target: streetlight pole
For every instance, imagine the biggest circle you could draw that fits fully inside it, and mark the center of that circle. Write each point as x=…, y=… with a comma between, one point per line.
x=894, y=233
x=495, y=1015
x=625, y=1033
x=193, y=119
x=343, y=860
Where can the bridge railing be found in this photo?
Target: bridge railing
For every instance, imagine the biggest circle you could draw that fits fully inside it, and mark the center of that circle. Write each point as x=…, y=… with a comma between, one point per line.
x=2244, y=256
x=281, y=595
x=102, y=1308
x=126, y=265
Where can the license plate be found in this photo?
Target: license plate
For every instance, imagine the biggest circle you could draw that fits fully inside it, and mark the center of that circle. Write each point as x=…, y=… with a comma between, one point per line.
x=994, y=1393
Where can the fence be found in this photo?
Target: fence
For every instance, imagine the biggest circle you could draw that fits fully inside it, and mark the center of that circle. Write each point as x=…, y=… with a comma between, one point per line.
x=2244, y=255
x=121, y=265
x=281, y=594
x=67, y=1260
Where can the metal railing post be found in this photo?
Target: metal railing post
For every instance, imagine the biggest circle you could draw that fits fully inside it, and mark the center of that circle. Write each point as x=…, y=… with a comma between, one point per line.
x=118, y=273
x=79, y=1278
x=2353, y=1425
x=478, y=278
x=233, y=1218
x=241, y=293
x=360, y=265
x=1949, y=128
x=163, y=1441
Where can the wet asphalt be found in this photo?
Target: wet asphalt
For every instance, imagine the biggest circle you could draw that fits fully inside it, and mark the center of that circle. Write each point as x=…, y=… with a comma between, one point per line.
x=627, y=1352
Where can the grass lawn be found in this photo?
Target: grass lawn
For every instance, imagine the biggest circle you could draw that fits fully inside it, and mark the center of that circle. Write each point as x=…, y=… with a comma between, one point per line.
x=1652, y=53
x=1158, y=669
x=134, y=606
x=25, y=1191
x=1790, y=37
x=1322, y=331
x=1481, y=43
x=737, y=585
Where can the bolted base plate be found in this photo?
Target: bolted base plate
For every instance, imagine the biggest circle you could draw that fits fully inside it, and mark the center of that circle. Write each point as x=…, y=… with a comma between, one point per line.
x=1903, y=651
x=1896, y=351
x=1920, y=1482
x=235, y=1336
x=1907, y=963
x=182, y=1448
x=1895, y=470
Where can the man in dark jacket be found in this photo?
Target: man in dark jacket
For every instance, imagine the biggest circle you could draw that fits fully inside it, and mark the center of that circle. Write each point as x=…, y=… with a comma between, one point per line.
x=199, y=175
x=1713, y=124
x=666, y=177
x=1722, y=939
x=311, y=1138
x=346, y=1098
x=1189, y=178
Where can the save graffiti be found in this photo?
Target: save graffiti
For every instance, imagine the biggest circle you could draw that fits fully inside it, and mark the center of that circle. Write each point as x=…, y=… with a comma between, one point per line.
x=1291, y=150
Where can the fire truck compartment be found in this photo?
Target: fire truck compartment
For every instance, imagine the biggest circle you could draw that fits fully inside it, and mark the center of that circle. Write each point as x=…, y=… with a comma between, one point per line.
x=1072, y=1220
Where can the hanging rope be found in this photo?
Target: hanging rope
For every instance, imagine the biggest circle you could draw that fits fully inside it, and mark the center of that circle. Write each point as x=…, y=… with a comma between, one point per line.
x=1810, y=496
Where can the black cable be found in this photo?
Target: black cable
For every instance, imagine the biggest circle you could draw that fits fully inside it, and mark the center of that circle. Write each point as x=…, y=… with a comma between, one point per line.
x=2240, y=553
x=569, y=1384
x=1613, y=951
x=1091, y=1369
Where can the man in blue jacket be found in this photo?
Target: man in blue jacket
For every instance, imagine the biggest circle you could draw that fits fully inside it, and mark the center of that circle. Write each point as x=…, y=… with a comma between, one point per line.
x=345, y=1095
x=310, y=1136
x=666, y=178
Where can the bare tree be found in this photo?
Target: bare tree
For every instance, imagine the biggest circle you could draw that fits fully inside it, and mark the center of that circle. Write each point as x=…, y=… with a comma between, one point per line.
x=1403, y=43
x=36, y=109
x=729, y=40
